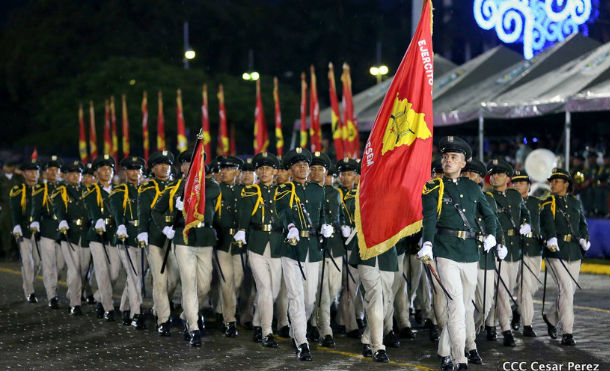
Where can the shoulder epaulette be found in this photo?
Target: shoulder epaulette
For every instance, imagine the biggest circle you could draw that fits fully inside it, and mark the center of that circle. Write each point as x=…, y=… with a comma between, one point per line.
x=15, y=191
x=431, y=185
x=490, y=193
x=119, y=188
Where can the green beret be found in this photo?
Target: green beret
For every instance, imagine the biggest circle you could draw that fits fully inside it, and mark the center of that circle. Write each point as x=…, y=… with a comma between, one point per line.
x=320, y=158
x=133, y=163
x=455, y=144
x=476, y=166
x=297, y=155
x=265, y=159
x=73, y=167
x=105, y=160
x=497, y=166
x=161, y=157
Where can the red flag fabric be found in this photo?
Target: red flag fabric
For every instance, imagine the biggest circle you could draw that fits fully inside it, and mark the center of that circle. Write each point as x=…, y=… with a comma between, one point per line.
x=350, y=133
x=303, y=142
x=397, y=156
x=261, y=136
x=107, y=138
x=314, y=114
x=182, y=143
x=232, y=143
x=194, y=190
x=335, y=114
x=92, y=133
x=82, y=138
x=34, y=154
x=160, y=124
x=125, y=126
x=223, y=136
x=279, y=135
x=145, y=144
x=205, y=125
x=115, y=138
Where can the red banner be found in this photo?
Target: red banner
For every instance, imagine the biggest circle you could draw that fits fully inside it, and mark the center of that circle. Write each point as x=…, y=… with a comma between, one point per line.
x=107, y=138
x=92, y=133
x=397, y=156
x=314, y=113
x=115, y=138
x=160, y=124
x=261, y=137
x=125, y=126
x=223, y=135
x=194, y=190
x=335, y=114
x=350, y=132
x=145, y=144
x=82, y=138
x=279, y=135
x=303, y=141
x=205, y=125
x=182, y=143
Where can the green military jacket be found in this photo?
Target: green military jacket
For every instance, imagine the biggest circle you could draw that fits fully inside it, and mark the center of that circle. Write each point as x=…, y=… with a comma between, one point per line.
x=257, y=215
x=21, y=207
x=148, y=195
x=490, y=255
x=43, y=211
x=409, y=244
x=438, y=200
x=201, y=235
x=69, y=205
x=97, y=202
x=225, y=219
x=532, y=244
x=512, y=213
x=303, y=206
x=335, y=217
x=562, y=217
x=348, y=209
x=124, y=208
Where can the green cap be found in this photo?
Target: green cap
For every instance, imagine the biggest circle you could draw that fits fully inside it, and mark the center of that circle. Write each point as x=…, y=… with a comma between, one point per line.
x=320, y=158
x=455, y=144
x=297, y=155
x=161, y=157
x=265, y=159
x=497, y=166
x=73, y=167
x=104, y=160
x=133, y=163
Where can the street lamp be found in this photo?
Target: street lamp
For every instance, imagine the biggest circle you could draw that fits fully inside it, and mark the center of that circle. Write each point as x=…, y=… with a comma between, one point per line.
x=250, y=76
x=189, y=54
x=379, y=72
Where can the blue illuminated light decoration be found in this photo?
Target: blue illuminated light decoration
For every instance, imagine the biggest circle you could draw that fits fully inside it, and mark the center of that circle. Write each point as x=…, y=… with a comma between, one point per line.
x=537, y=24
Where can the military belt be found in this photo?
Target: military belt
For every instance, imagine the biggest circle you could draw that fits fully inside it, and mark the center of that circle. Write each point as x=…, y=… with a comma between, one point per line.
x=510, y=232
x=79, y=221
x=265, y=227
x=308, y=234
x=566, y=237
x=135, y=223
x=529, y=235
x=108, y=221
x=203, y=224
x=169, y=218
x=456, y=233
x=232, y=231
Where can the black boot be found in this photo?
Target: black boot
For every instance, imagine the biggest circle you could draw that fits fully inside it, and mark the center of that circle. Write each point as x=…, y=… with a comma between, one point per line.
x=303, y=353
x=463, y=366
x=32, y=298
x=381, y=356
x=313, y=334
x=99, y=310
x=515, y=322
x=509, y=340
x=269, y=341
x=164, y=329
x=220, y=322
x=284, y=332
x=195, y=340
x=446, y=364
x=551, y=330
x=528, y=332
x=54, y=303
x=138, y=322
x=354, y=333
x=360, y=324
x=407, y=333
x=231, y=330
x=328, y=341
x=419, y=318
x=75, y=311
x=90, y=300
x=257, y=336
x=391, y=340
x=366, y=350
x=201, y=324
x=109, y=316
x=186, y=334
x=126, y=318
x=248, y=325
x=491, y=333
x=567, y=339
x=474, y=357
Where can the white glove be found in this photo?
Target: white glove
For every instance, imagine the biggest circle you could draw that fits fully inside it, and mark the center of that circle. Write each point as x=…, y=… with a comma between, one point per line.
x=240, y=236
x=17, y=230
x=525, y=229
x=63, y=225
x=327, y=230
x=552, y=244
x=293, y=232
x=100, y=225
x=179, y=204
x=121, y=231
x=35, y=226
x=143, y=237
x=169, y=232
x=502, y=252
x=489, y=242
x=584, y=244
x=425, y=253
x=346, y=230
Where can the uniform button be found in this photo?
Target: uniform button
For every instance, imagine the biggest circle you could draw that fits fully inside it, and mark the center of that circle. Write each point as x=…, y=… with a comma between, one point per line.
x=509, y=206
x=463, y=210
x=461, y=196
x=306, y=201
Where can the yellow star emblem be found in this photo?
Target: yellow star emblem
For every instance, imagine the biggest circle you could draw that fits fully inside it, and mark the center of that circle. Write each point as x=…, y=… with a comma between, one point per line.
x=404, y=126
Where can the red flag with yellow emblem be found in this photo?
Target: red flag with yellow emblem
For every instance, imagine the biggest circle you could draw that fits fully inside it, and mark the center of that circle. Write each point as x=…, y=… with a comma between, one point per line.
x=223, y=135
x=82, y=139
x=107, y=135
x=125, y=126
x=303, y=137
x=397, y=155
x=92, y=133
x=181, y=145
x=314, y=113
x=115, y=137
x=194, y=189
x=279, y=136
x=160, y=123
x=335, y=114
x=205, y=125
x=261, y=136
x=351, y=138
x=145, y=143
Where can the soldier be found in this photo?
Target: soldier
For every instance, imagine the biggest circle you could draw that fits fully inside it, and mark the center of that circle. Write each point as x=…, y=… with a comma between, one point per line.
x=153, y=237
x=565, y=230
x=89, y=177
x=247, y=175
x=515, y=220
x=247, y=291
x=194, y=251
x=8, y=179
x=450, y=205
x=44, y=221
x=281, y=304
x=124, y=205
x=21, y=205
x=72, y=215
x=260, y=229
x=301, y=208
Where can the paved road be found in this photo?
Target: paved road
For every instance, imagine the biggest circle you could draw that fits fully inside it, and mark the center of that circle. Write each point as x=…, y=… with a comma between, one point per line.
x=34, y=337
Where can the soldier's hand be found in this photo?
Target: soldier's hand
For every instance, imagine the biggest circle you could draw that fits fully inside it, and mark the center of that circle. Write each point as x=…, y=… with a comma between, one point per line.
x=169, y=232
x=293, y=233
x=17, y=231
x=584, y=244
x=425, y=253
x=240, y=236
x=63, y=226
x=327, y=230
x=552, y=244
x=100, y=226
x=179, y=204
x=143, y=238
x=502, y=251
x=525, y=229
x=35, y=227
x=121, y=232
x=489, y=242
x=346, y=230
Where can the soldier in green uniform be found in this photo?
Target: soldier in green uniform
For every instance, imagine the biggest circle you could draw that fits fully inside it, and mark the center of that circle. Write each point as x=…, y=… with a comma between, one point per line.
x=260, y=229
x=44, y=222
x=515, y=220
x=21, y=205
x=89, y=177
x=230, y=256
x=532, y=253
x=247, y=176
x=450, y=208
x=300, y=205
x=281, y=304
x=72, y=215
x=151, y=236
x=565, y=230
x=124, y=205
x=194, y=251
x=8, y=179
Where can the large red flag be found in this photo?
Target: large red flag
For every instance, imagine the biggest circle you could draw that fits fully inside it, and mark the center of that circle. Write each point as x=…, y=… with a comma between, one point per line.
x=160, y=124
x=261, y=137
x=350, y=134
x=279, y=135
x=223, y=135
x=314, y=114
x=397, y=156
x=107, y=138
x=92, y=133
x=303, y=141
x=194, y=190
x=181, y=129
x=335, y=114
x=82, y=139
x=125, y=126
x=145, y=144
x=205, y=125
x=115, y=138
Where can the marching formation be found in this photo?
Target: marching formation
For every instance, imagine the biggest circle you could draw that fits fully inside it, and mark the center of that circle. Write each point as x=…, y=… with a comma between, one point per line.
x=278, y=244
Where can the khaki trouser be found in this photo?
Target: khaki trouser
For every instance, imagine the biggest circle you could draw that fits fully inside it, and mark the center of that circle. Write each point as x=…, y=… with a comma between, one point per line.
x=331, y=285
x=460, y=280
x=301, y=294
x=509, y=272
x=233, y=273
x=425, y=296
x=350, y=303
x=29, y=261
x=107, y=267
x=163, y=284
x=530, y=286
x=267, y=273
x=562, y=310
x=399, y=307
x=195, y=266
x=77, y=263
x=377, y=286
x=132, y=294
x=481, y=317
x=412, y=268
x=281, y=306
x=52, y=262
